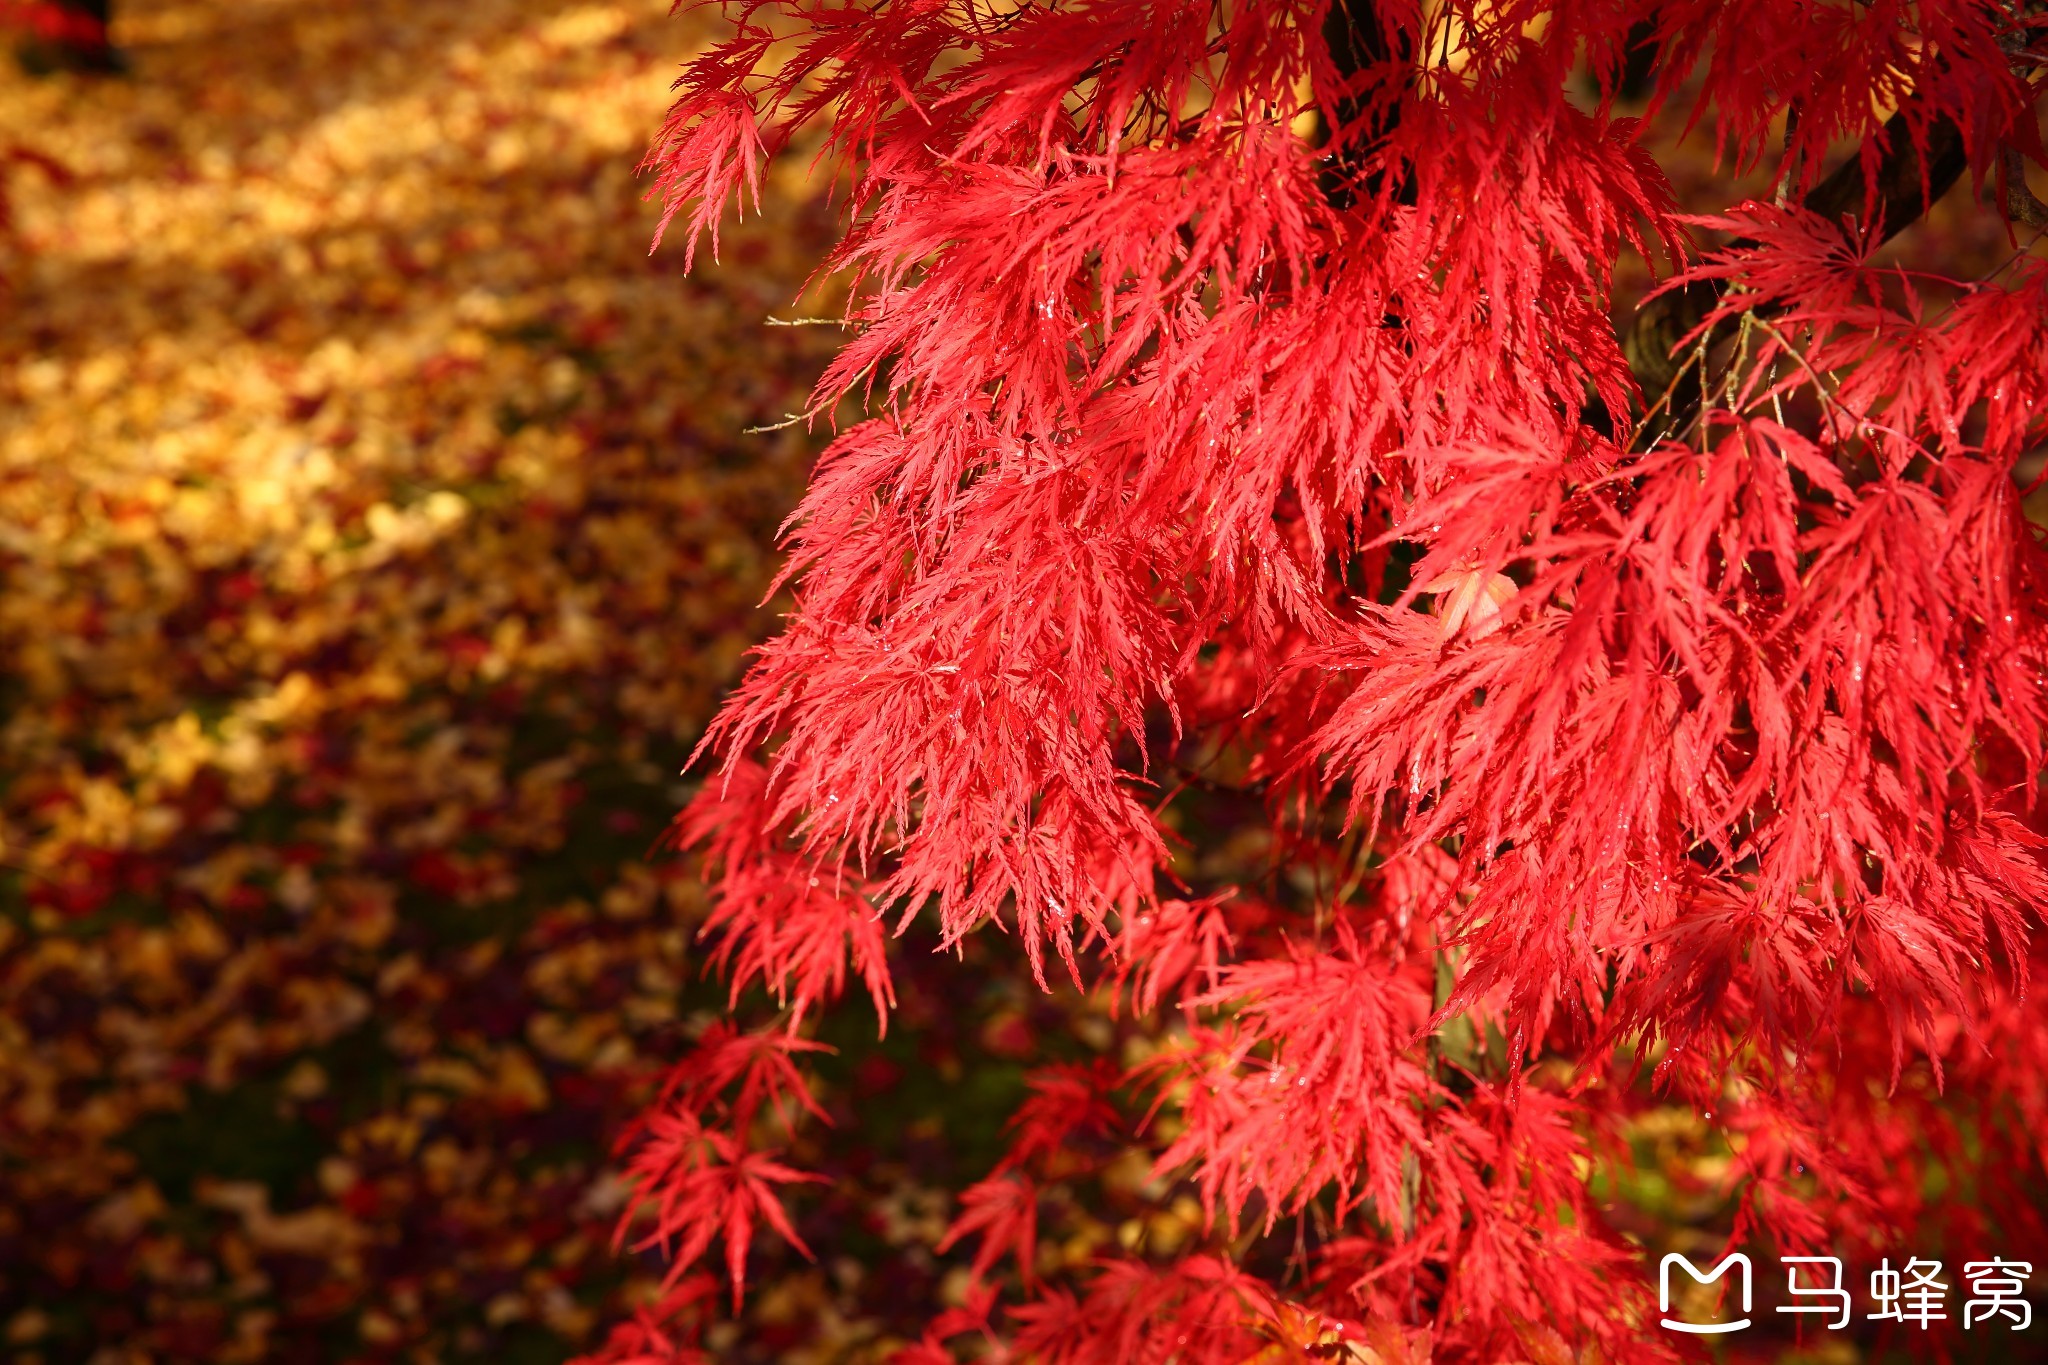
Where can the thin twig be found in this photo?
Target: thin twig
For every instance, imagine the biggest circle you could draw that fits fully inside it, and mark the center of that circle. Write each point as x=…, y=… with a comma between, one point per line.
x=1636, y=434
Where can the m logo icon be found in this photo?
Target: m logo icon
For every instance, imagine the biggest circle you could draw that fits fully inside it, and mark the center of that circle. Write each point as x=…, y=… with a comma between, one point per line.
x=1703, y=1328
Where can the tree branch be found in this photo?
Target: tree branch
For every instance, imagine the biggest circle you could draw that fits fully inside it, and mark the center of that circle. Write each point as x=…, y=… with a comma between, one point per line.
x=2020, y=204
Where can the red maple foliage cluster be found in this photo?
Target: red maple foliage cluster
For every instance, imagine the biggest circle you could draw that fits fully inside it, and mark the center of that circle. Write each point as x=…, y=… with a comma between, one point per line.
x=1248, y=415
x=72, y=24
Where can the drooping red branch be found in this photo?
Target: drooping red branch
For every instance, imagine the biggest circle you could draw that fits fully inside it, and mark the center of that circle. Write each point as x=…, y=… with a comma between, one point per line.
x=1915, y=166
x=1366, y=52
